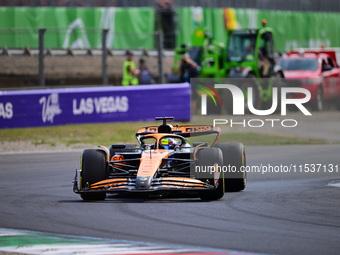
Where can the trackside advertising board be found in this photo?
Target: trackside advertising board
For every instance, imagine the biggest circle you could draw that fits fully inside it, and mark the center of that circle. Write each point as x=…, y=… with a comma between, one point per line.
x=33, y=108
x=78, y=27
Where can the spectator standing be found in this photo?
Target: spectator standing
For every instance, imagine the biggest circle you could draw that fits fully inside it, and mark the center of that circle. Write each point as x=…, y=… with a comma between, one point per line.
x=130, y=73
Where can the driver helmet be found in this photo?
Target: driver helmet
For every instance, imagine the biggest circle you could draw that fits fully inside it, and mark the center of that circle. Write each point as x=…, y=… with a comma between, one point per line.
x=167, y=143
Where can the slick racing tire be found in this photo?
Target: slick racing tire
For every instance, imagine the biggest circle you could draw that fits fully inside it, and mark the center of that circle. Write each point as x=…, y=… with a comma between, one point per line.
x=209, y=157
x=234, y=158
x=94, y=169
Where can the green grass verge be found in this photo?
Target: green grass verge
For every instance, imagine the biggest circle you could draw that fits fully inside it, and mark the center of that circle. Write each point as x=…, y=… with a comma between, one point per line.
x=109, y=133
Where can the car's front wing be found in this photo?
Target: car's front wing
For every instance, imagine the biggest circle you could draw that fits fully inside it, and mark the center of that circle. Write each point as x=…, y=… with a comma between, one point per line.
x=157, y=184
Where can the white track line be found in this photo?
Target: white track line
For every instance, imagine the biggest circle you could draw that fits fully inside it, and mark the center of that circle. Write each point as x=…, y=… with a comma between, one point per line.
x=94, y=246
x=334, y=184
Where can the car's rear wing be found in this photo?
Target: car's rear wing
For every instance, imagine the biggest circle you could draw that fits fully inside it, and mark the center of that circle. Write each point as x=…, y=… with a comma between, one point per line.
x=185, y=131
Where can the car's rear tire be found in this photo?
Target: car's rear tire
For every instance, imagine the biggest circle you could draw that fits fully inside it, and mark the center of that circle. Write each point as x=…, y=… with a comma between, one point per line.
x=94, y=169
x=209, y=157
x=235, y=157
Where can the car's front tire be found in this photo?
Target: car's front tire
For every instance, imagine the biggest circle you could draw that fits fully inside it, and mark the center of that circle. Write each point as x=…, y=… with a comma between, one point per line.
x=93, y=169
x=234, y=158
x=210, y=157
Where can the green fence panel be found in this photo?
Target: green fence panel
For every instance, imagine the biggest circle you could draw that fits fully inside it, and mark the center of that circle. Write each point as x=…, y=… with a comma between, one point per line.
x=185, y=25
x=303, y=29
x=215, y=23
x=134, y=28
x=190, y=18
x=129, y=28
x=292, y=29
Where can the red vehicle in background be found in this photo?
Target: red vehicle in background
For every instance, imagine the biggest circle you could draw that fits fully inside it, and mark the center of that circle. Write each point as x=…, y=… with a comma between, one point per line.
x=315, y=70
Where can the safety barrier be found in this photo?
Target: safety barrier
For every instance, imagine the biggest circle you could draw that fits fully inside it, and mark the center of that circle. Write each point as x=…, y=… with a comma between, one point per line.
x=48, y=107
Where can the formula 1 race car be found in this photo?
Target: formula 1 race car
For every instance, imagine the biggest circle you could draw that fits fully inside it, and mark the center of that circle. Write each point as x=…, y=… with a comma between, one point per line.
x=163, y=162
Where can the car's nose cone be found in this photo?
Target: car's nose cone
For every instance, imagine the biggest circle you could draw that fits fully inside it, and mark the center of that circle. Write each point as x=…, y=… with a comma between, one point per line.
x=143, y=182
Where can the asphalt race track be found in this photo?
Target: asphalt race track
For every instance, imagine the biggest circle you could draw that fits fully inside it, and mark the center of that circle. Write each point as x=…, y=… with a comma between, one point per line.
x=278, y=213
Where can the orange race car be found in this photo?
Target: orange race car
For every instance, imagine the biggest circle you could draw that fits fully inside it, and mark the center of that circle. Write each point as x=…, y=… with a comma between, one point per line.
x=167, y=159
